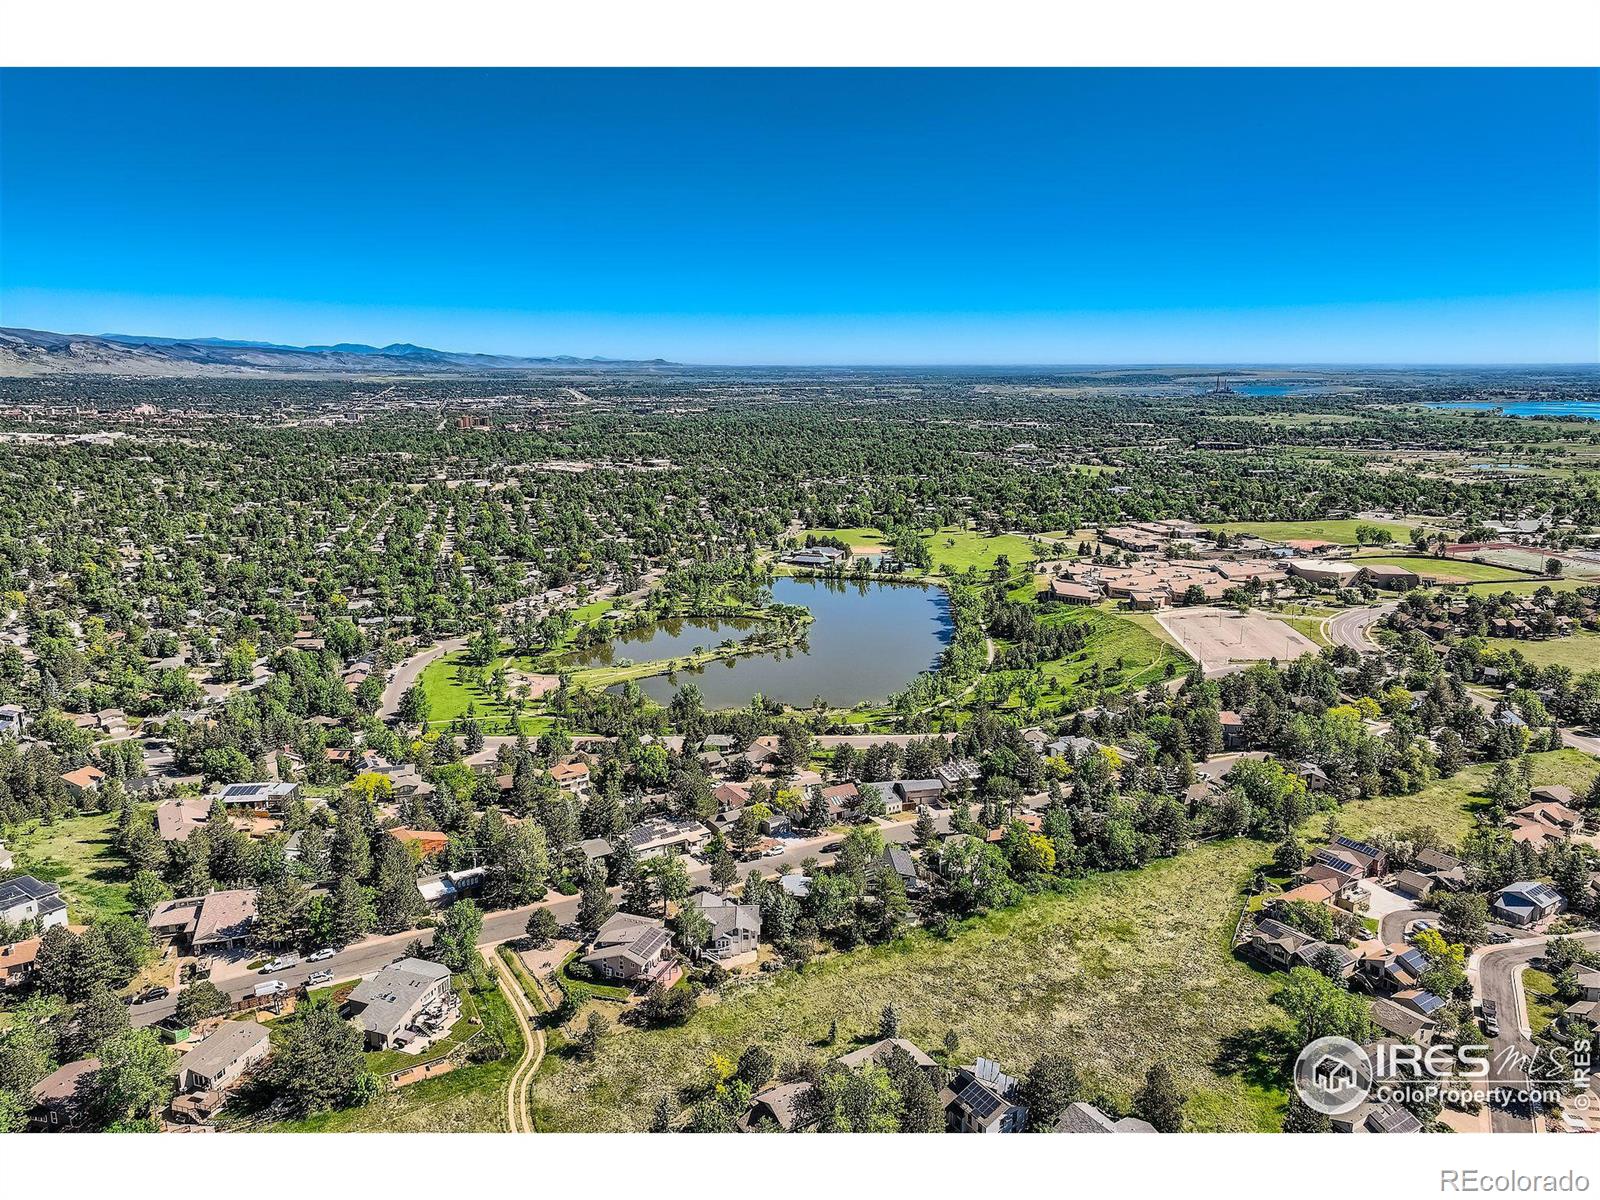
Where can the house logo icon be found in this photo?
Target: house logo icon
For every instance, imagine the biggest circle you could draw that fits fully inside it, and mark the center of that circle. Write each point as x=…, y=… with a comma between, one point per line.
x=1333, y=1075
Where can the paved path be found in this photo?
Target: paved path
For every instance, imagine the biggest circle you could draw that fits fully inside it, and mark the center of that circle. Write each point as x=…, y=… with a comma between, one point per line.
x=409, y=671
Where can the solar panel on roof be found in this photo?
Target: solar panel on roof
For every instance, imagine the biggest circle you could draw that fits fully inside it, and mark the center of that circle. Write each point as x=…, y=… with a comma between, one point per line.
x=1359, y=847
x=978, y=1099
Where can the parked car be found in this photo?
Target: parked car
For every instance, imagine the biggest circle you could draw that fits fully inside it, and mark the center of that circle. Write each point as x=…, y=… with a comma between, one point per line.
x=282, y=963
x=1419, y=927
x=1499, y=937
x=1491, y=1019
x=152, y=993
x=321, y=955
x=272, y=987
x=833, y=848
x=772, y=852
x=318, y=978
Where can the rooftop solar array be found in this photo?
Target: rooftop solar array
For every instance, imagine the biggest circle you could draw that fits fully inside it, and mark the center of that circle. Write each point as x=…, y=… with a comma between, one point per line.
x=978, y=1100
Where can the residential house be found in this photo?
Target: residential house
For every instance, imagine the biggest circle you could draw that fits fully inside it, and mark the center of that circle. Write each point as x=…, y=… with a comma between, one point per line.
x=177, y=819
x=16, y=961
x=445, y=888
x=666, y=835
x=1232, y=729
x=13, y=720
x=28, y=899
x=572, y=775
x=85, y=781
x=407, y=999
x=898, y=859
x=60, y=1097
x=218, y=1061
x=259, y=797
x=879, y=1053
x=1412, y=884
x=981, y=1098
x=735, y=929
x=1080, y=1117
x=1404, y=1023
x=762, y=754
x=1527, y=903
x=958, y=773
x=630, y=948
x=782, y=1105
x=919, y=793
x=205, y=924
x=1445, y=870
x=893, y=801
x=841, y=797
x=1589, y=985
x=1372, y=1117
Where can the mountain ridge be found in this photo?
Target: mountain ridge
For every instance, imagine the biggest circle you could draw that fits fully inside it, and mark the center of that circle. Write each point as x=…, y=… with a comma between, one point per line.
x=27, y=352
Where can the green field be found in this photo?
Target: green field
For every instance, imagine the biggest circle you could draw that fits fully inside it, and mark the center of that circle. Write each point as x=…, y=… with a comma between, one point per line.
x=1443, y=570
x=451, y=696
x=1121, y=971
x=1341, y=532
x=1527, y=587
x=1115, y=637
x=77, y=854
x=1579, y=651
x=1447, y=805
x=952, y=550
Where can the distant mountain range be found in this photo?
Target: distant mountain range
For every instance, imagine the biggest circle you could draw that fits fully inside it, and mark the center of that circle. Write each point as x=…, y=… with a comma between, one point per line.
x=34, y=352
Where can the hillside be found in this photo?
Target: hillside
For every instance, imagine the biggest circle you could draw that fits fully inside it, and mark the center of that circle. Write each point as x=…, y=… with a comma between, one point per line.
x=28, y=352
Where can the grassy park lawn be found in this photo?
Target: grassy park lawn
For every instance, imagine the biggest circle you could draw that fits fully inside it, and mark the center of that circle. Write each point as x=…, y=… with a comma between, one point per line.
x=1579, y=651
x=1121, y=970
x=471, y=1099
x=1523, y=586
x=861, y=535
x=958, y=550
x=451, y=696
x=77, y=854
x=1341, y=532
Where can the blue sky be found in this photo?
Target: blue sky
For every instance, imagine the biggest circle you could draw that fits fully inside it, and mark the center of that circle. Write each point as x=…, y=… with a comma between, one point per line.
x=816, y=216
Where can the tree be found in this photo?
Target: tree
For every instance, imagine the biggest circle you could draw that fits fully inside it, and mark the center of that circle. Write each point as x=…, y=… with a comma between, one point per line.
x=594, y=904
x=925, y=830
x=1465, y=917
x=146, y=891
x=1321, y=1008
x=200, y=1000
x=455, y=942
x=100, y=1016
x=320, y=1064
x=351, y=915
x=135, y=1080
x=888, y=1023
x=542, y=927
x=415, y=707
x=756, y=1066
x=396, y=902
x=1159, y=1101
x=1049, y=1086
x=594, y=1029
x=1302, y=1118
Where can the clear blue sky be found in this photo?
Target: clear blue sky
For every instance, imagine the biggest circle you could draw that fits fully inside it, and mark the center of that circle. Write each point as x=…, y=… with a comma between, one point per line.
x=816, y=216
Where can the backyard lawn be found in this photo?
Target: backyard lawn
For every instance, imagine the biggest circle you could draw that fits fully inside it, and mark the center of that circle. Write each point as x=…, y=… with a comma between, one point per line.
x=77, y=854
x=471, y=1099
x=1544, y=1006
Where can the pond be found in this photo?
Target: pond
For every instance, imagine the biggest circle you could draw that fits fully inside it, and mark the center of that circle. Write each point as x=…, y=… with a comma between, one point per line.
x=866, y=641
x=1588, y=410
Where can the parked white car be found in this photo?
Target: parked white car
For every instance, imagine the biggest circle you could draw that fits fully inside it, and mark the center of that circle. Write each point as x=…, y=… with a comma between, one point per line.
x=280, y=964
x=321, y=955
x=318, y=978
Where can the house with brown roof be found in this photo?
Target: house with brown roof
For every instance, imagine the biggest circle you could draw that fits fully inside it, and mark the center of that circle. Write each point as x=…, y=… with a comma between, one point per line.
x=216, y=921
x=629, y=947
x=222, y=1057
x=85, y=781
x=60, y=1098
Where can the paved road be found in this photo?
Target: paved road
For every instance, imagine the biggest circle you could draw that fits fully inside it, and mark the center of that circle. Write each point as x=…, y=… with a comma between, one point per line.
x=1577, y=739
x=409, y=671
x=1392, y=926
x=373, y=953
x=1499, y=978
x=1353, y=627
